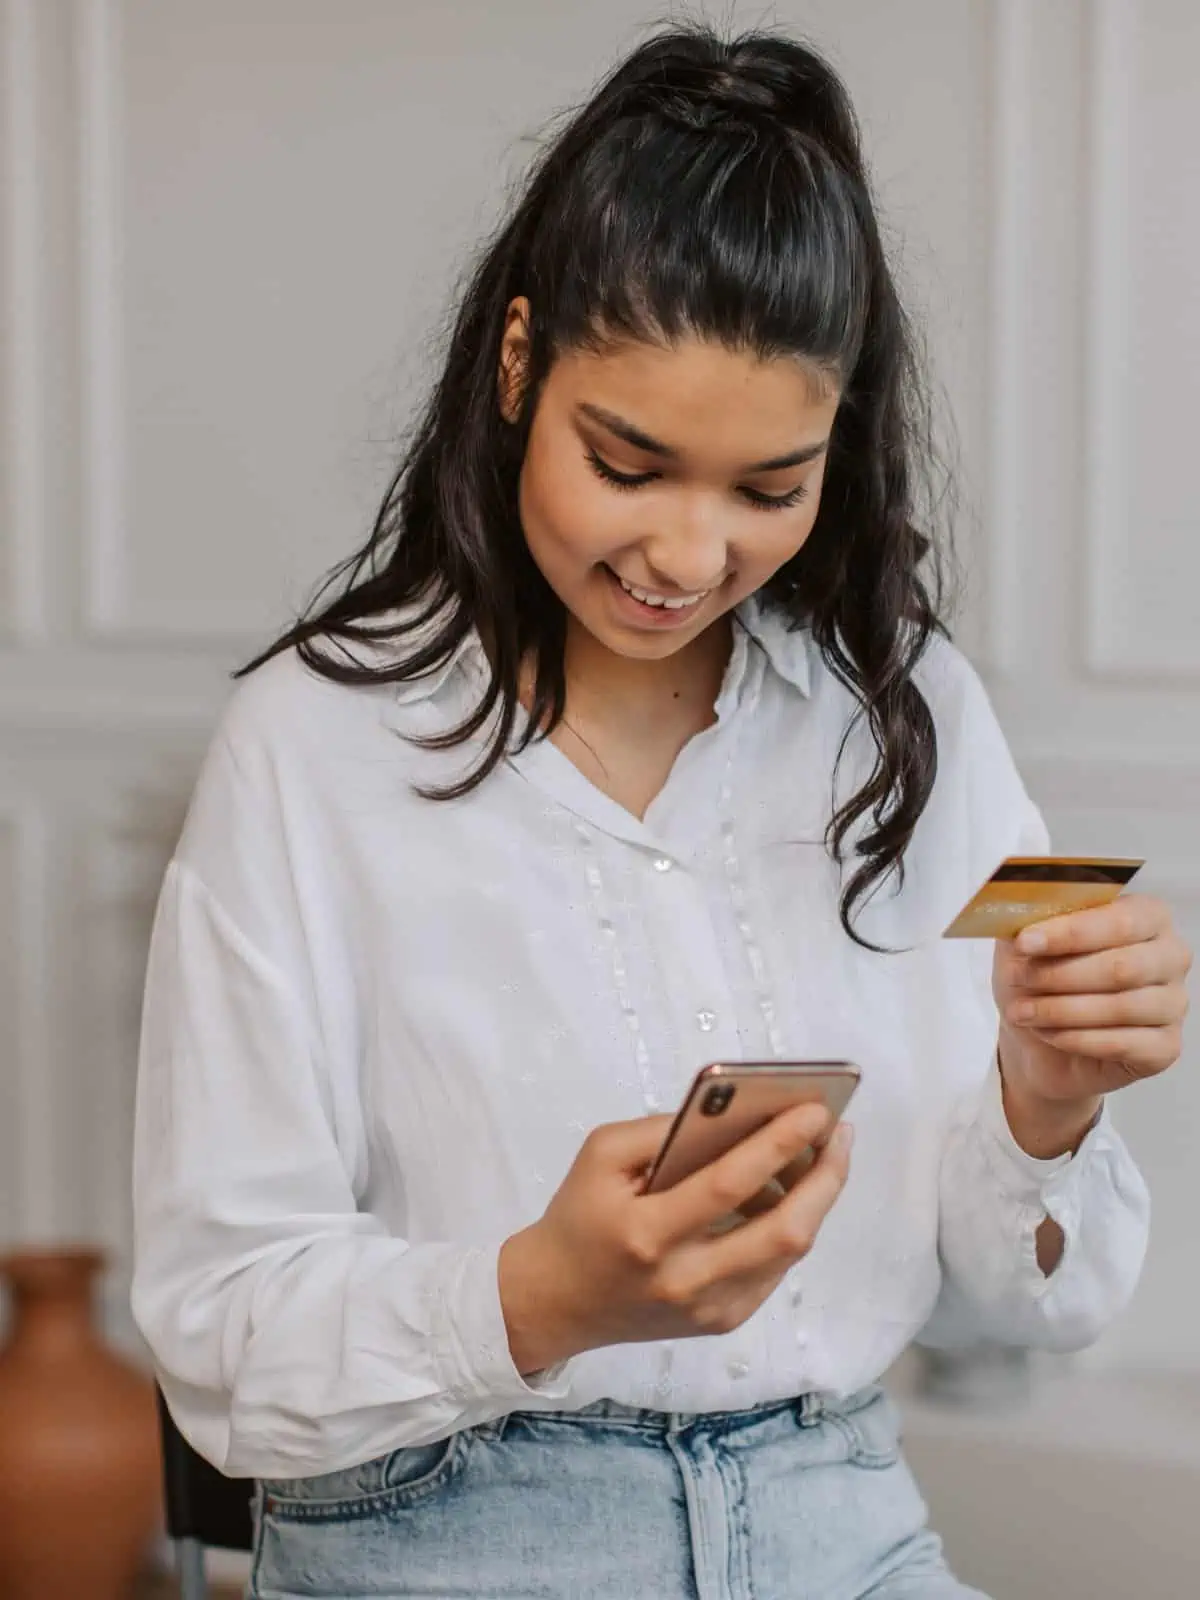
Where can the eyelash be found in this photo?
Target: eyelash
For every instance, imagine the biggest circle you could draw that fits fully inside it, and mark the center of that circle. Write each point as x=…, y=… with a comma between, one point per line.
x=761, y=502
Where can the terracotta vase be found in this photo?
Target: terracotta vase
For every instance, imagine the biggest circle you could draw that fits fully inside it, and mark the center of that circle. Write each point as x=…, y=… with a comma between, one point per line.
x=79, y=1456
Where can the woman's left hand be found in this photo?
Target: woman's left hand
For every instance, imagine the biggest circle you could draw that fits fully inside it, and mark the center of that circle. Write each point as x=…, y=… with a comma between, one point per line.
x=1088, y=1002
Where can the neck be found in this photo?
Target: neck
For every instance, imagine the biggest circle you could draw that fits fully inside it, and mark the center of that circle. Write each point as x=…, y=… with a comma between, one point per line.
x=628, y=695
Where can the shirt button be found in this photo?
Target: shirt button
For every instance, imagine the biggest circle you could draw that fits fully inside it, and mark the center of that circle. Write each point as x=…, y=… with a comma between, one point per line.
x=706, y=1021
x=738, y=1369
x=663, y=864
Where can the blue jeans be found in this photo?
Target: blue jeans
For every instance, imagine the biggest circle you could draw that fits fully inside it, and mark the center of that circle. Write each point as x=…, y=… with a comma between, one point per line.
x=800, y=1500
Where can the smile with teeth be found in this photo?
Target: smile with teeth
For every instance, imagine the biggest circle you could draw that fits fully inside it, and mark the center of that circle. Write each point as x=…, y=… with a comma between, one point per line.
x=648, y=598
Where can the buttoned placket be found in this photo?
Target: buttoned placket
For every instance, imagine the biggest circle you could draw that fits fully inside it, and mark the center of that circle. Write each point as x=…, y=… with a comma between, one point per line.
x=676, y=827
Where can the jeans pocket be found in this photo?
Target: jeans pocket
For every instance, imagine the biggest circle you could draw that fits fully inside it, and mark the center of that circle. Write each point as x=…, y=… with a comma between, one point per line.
x=872, y=1431
x=403, y=1478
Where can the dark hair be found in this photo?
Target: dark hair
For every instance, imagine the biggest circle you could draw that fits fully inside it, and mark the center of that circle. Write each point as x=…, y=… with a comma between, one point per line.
x=716, y=188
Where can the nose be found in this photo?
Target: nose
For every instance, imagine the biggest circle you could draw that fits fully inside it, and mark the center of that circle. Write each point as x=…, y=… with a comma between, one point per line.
x=687, y=555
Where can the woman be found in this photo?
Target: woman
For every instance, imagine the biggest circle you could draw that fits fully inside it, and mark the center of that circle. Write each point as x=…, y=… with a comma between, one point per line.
x=631, y=741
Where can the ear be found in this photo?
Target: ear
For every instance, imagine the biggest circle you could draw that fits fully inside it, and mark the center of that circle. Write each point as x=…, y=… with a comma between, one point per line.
x=514, y=359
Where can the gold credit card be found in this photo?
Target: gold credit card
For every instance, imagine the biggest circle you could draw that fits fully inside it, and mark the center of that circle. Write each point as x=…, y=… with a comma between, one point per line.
x=1028, y=889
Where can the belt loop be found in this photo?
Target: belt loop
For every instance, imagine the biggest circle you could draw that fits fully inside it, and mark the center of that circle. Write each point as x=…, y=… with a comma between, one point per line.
x=810, y=1408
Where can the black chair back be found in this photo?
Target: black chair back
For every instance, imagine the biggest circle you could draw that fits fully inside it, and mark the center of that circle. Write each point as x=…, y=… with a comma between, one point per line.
x=202, y=1505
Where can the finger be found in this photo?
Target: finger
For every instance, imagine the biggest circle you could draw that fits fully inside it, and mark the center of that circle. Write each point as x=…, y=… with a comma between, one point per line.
x=719, y=1188
x=1135, y=966
x=1145, y=1050
x=1130, y=919
x=788, y=1232
x=627, y=1147
x=1155, y=1007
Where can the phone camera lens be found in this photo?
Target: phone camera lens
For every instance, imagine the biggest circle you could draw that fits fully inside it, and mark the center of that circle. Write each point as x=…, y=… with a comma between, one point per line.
x=717, y=1099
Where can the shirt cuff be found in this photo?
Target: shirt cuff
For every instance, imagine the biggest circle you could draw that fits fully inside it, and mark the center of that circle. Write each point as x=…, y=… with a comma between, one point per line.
x=473, y=1341
x=1027, y=1178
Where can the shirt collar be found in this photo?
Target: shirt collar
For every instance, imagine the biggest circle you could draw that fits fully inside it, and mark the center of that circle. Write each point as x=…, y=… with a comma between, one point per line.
x=467, y=657
x=786, y=646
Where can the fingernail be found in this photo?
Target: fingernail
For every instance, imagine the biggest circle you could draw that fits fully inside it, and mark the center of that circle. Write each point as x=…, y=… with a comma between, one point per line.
x=1031, y=941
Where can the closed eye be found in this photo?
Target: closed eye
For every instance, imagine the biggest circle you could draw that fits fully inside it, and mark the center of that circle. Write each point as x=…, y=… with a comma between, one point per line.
x=637, y=480
x=622, y=480
x=775, y=502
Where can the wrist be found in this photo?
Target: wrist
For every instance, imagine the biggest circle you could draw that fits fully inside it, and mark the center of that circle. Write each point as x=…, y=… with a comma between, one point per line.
x=1043, y=1126
x=540, y=1332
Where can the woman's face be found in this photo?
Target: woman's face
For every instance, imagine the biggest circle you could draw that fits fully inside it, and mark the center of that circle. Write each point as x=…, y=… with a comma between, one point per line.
x=662, y=486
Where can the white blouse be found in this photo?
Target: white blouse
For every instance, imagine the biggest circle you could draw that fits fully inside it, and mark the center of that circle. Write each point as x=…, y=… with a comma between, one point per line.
x=377, y=1028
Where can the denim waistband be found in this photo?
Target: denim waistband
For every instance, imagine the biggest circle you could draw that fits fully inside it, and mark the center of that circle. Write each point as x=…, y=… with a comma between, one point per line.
x=807, y=1408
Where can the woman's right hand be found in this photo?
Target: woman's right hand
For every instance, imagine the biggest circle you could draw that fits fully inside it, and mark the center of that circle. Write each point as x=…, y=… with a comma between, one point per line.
x=609, y=1264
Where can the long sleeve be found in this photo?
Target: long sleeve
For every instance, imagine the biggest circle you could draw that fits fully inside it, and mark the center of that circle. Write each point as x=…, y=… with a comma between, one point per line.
x=292, y=1333
x=993, y=1198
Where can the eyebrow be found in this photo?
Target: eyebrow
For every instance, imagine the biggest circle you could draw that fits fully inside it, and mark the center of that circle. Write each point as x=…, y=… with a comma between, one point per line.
x=626, y=430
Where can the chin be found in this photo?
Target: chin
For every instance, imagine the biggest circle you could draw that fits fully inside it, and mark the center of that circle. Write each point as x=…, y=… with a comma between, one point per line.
x=633, y=645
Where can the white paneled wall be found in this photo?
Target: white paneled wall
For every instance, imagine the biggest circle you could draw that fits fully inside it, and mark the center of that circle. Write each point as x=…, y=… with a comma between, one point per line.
x=1143, y=341
x=227, y=234
x=1093, y=610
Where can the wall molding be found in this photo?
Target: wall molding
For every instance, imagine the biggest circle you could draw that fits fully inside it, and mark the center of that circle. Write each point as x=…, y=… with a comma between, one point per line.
x=35, y=1149
x=1011, y=36
x=1162, y=794
x=1112, y=48
x=1106, y=489
x=76, y=689
x=24, y=375
x=1101, y=784
x=106, y=515
x=104, y=529
x=114, y=945
x=42, y=718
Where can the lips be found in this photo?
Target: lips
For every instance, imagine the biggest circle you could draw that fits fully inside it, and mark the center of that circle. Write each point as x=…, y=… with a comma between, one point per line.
x=650, y=597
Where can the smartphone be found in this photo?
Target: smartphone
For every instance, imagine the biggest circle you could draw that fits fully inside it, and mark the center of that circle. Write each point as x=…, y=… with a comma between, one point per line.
x=730, y=1100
